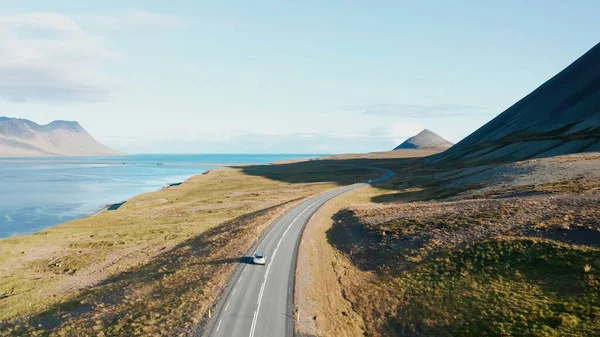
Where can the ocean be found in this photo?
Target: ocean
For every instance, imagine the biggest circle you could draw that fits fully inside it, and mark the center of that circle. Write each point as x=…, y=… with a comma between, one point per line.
x=37, y=193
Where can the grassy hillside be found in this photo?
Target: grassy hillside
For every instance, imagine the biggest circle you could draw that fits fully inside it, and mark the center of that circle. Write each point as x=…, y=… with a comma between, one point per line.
x=499, y=287
x=512, y=250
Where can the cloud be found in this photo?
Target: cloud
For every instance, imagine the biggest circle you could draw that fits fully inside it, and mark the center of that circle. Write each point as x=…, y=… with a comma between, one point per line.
x=419, y=110
x=48, y=57
x=132, y=21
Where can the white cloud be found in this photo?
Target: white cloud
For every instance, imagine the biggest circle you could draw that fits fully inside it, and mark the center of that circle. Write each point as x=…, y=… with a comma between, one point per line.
x=132, y=21
x=48, y=57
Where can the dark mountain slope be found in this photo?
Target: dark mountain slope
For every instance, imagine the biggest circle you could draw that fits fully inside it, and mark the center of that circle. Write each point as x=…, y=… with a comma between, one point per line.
x=562, y=116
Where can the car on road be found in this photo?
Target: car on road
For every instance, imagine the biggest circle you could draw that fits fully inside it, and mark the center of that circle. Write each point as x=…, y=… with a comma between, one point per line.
x=259, y=258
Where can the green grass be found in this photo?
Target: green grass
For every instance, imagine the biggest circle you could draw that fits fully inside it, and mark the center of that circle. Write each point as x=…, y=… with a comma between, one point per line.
x=503, y=287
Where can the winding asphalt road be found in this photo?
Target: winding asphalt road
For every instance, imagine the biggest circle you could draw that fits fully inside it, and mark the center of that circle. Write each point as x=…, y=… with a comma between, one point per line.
x=258, y=301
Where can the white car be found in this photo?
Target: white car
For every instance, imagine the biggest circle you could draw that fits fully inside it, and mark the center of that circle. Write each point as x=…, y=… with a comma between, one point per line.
x=259, y=258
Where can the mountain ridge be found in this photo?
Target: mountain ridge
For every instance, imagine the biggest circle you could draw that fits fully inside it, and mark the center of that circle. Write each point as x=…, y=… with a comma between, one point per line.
x=25, y=138
x=561, y=116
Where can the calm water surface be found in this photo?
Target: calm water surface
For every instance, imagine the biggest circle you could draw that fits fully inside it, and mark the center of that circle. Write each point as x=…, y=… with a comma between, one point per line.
x=36, y=193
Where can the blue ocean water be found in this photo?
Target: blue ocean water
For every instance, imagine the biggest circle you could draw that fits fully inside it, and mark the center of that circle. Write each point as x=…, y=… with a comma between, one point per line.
x=36, y=193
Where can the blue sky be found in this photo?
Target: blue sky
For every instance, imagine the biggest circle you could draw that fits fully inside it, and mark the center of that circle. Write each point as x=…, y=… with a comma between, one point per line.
x=273, y=76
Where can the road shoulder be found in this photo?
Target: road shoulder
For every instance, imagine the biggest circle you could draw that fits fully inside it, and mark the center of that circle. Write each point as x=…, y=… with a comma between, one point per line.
x=323, y=310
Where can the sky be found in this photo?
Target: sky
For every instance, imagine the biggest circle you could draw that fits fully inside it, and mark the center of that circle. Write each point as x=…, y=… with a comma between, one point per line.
x=265, y=76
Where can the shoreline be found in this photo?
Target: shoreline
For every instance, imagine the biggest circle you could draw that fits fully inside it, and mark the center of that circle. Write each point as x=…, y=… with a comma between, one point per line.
x=109, y=207
x=158, y=163
x=117, y=205
x=158, y=242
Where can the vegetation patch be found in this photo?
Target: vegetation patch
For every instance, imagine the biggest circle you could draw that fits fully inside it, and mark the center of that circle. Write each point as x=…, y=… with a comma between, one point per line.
x=501, y=287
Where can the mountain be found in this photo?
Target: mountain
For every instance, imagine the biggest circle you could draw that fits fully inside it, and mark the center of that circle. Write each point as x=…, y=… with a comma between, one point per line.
x=24, y=138
x=562, y=116
x=426, y=139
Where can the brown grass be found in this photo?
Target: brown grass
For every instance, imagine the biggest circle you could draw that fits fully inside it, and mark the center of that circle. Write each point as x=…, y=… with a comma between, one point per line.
x=152, y=267
x=513, y=261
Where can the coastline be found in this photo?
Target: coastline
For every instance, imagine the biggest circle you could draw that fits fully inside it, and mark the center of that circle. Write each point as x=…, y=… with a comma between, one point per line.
x=116, y=206
x=159, y=241
x=80, y=205
x=108, y=207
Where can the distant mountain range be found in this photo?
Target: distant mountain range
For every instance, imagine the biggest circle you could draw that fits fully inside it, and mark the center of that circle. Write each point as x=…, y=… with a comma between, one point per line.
x=24, y=138
x=426, y=139
x=562, y=116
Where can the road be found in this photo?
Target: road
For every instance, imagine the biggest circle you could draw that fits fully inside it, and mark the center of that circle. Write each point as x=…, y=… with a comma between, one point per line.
x=259, y=298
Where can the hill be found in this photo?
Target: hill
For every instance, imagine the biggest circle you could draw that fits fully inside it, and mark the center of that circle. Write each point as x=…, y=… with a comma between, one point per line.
x=497, y=236
x=24, y=138
x=426, y=139
x=562, y=116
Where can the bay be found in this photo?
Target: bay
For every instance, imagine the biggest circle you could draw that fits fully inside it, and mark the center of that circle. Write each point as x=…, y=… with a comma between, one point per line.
x=37, y=193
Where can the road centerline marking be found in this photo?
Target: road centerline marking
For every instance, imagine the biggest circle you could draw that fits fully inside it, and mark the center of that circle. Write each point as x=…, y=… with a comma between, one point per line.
x=253, y=325
x=262, y=288
x=320, y=200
